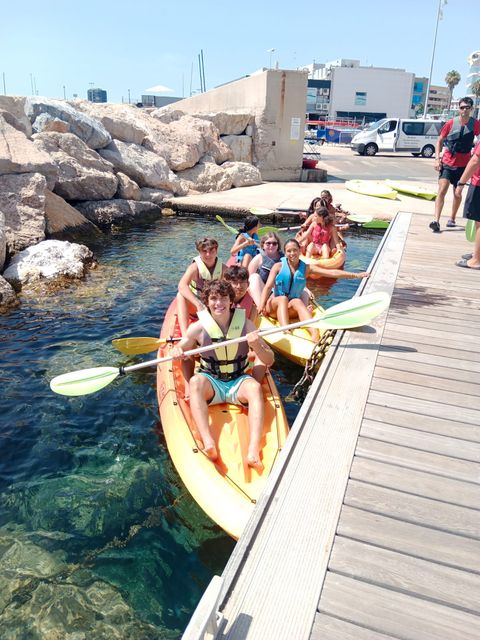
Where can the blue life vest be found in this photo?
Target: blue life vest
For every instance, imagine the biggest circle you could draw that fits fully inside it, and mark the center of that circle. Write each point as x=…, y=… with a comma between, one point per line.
x=288, y=284
x=461, y=136
x=251, y=249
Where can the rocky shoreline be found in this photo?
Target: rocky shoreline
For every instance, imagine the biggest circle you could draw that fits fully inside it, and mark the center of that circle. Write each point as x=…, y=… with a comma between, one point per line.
x=70, y=171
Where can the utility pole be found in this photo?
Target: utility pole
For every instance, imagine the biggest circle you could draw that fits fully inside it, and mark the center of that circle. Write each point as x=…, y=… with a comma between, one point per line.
x=129, y=96
x=64, y=94
x=439, y=17
x=4, y=85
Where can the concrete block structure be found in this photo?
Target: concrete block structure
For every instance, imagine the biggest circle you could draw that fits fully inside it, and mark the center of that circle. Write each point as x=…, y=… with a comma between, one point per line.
x=276, y=101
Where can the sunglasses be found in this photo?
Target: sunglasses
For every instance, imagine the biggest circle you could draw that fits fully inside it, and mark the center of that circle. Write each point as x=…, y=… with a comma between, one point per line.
x=271, y=243
x=464, y=107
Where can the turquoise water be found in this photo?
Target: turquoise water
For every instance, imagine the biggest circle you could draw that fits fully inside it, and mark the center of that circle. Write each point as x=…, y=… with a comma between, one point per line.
x=97, y=533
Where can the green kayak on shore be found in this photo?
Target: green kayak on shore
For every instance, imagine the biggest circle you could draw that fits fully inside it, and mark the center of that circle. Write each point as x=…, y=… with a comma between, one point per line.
x=413, y=189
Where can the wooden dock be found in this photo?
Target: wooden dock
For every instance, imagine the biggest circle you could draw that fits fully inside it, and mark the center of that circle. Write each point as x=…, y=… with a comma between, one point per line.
x=369, y=528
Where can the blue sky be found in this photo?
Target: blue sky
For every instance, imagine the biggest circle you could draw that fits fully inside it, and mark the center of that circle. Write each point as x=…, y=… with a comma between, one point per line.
x=121, y=46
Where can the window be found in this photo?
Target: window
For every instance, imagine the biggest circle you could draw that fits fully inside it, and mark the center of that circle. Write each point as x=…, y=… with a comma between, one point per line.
x=413, y=128
x=418, y=87
x=416, y=99
x=360, y=98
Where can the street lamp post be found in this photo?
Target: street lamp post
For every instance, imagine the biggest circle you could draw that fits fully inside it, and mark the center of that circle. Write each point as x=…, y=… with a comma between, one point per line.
x=439, y=17
x=270, y=51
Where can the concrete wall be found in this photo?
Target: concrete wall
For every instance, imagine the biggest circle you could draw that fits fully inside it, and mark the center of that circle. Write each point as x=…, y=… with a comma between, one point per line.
x=277, y=101
x=388, y=90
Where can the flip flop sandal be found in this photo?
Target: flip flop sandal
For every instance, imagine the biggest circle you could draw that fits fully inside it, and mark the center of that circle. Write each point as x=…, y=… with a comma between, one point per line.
x=463, y=263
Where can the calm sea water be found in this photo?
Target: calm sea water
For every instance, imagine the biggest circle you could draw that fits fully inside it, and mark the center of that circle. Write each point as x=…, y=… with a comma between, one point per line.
x=97, y=533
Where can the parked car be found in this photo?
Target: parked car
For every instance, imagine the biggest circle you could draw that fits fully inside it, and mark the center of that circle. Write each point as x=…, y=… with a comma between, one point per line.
x=398, y=134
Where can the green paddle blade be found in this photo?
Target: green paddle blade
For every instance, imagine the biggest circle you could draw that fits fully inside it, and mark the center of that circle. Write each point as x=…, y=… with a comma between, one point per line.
x=470, y=230
x=355, y=312
x=263, y=230
x=80, y=383
x=261, y=211
x=376, y=224
x=227, y=226
x=359, y=218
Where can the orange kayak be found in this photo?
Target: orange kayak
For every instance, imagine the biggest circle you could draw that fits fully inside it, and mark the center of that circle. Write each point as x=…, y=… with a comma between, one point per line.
x=228, y=488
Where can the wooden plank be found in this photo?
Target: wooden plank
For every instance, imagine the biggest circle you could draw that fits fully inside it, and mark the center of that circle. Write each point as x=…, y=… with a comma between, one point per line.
x=328, y=628
x=409, y=306
x=462, y=343
x=445, y=371
x=440, y=465
x=398, y=614
x=400, y=572
x=424, y=393
x=456, y=322
x=394, y=342
x=419, y=483
x=428, y=378
x=425, y=407
x=411, y=539
x=414, y=509
x=422, y=298
x=430, y=424
x=419, y=440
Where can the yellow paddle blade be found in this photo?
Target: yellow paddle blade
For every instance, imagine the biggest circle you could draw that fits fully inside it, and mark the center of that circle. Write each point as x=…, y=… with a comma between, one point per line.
x=359, y=218
x=136, y=346
x=261, y=211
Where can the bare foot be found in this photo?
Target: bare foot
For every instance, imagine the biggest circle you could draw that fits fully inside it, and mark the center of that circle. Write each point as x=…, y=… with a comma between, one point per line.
x=253, y=460
x=211, y=452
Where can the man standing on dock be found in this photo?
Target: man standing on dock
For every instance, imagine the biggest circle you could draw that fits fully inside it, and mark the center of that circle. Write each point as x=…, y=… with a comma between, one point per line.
x=458, y=135
x=472, y=206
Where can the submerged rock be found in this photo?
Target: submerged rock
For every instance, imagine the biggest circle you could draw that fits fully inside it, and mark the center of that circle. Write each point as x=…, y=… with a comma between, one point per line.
x=64, y=222
x=48, y=260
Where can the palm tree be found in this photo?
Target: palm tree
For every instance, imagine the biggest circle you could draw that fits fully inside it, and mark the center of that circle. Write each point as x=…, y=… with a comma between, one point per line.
x=451, y=80
x=475, y=89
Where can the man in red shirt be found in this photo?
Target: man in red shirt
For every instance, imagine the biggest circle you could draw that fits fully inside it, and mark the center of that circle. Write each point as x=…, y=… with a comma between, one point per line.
x=458, y=136
x=472, y=206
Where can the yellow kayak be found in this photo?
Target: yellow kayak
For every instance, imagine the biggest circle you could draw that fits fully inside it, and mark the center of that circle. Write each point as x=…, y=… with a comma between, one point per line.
x=413, y=189
x=376, y=188
x=228, y=488
x=296, y=346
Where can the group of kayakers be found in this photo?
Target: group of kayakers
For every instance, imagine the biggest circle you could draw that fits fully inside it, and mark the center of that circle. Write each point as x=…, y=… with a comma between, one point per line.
x=227, y=300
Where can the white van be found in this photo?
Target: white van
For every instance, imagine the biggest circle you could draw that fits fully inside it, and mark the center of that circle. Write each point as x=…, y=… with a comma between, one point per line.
x=398, y=134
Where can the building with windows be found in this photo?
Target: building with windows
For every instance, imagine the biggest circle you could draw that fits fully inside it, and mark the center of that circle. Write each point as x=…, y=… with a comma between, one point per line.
x=158, y=101
x=97, y=95
x=356, y=92
x=419, y=94
x=474, y=73
x=438, y=98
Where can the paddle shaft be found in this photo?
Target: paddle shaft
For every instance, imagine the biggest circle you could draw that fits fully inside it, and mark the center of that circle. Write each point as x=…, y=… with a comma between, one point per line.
x=224, y=343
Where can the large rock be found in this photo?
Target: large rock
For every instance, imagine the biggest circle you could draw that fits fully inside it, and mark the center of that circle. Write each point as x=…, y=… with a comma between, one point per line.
x=15, y=105
x=157, y=196
x=122, y=121
x=22, y=200
x=18, y=154
x=82, y=173
x=64, y=222
x=143, y=166
x=185, y=141
x=3, y=241
x=48, y=260
x=207, y=177
x=87, y=129
x=8, y=299
x=243, y=174
x=229, y=123
x=128, y=189
x=46, y=122
x=106, y=213
x=241, y=147
x=167, y=114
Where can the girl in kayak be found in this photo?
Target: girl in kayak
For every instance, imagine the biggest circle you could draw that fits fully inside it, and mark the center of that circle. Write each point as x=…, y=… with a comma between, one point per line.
x=287, y=279
x=261, y=265
x=321, y=234
x=247, y=241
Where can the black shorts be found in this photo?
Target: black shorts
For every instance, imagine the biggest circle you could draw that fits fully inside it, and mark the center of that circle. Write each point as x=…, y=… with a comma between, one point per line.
x=452, y=174
x=471, y=208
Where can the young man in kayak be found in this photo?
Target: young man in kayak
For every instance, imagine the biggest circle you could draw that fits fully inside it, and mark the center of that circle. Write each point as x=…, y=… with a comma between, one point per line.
x=204, y=267
x=458, y=136
x=221, y=377
x=238, y=278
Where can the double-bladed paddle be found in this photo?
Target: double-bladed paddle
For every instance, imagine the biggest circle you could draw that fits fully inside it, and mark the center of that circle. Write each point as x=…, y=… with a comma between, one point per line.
x=144, y=344
x=349, y=314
